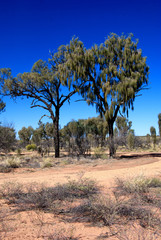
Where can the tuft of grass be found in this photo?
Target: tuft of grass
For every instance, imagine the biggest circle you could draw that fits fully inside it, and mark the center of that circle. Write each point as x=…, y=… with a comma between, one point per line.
x=39, y=196
x=135, y=233
x=5, y=169
x=139, y=184
x=99, y=209
x=109, y=211
x=12, y=163
x=154, y=182
x=98, y=152
x=47, y=163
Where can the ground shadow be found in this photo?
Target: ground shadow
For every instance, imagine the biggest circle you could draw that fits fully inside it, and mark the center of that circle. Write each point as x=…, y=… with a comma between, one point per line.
x=140, y=155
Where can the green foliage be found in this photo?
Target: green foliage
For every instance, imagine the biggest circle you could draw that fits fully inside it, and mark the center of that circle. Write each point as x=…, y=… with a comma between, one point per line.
x=25, y=134
x=43, y=85
x=13, y=162
x=18, y=151
x=47, y=163
x=131, y=140
x=148, y=139
x=98, y=152
x=112, y=74
x=138, y=184
x=74, y=135
x=123, y=125
x=7, y=138
x=31, y=147
x=153, y=135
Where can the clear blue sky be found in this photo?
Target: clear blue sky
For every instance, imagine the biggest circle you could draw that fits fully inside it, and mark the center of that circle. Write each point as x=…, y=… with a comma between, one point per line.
x=30, y=28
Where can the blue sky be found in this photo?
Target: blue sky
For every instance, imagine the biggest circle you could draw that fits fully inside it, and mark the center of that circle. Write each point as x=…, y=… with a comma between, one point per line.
x=31, y=28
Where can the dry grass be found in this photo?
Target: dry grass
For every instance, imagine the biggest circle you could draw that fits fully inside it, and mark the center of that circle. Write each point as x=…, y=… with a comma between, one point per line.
x=135, y=200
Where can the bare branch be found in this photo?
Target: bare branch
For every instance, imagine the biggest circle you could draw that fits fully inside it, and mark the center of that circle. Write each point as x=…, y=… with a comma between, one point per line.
x=44, y=116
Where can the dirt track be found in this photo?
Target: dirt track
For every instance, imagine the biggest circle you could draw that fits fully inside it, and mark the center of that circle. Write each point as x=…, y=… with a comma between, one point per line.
x=105, y=174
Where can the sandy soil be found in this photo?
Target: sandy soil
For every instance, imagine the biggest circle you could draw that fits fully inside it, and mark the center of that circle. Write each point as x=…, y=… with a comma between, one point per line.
x=36, y=225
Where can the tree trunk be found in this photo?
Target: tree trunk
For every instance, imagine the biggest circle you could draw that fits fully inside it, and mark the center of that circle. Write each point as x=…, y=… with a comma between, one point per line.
x=56, y=134
x=111, y=139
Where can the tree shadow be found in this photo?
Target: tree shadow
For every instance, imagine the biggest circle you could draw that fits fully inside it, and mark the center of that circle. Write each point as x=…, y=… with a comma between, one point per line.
x=139, y=155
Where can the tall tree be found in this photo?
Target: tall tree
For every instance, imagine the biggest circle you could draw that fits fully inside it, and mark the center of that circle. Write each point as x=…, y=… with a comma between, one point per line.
x=159, y=124
x=25, y=134
x=114, y=72
x=44, y=85
x=153, y=135
x=123, y=125
x=7, y=138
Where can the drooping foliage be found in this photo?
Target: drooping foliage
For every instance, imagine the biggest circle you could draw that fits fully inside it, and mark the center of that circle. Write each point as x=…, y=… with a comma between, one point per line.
x=44, y=85
x=114, y=73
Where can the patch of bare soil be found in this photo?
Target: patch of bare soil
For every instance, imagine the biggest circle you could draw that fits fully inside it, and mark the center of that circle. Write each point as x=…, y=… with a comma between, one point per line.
x=34, y=224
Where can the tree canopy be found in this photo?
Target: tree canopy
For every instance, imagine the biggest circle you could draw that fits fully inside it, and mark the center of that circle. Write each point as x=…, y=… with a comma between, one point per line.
x=114, y=73
x=7, y=138
x=44, y=85
x=109, y=76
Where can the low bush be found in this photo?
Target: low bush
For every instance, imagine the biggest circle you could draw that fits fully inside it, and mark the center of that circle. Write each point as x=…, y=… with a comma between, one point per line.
x=39, y=196
x=19, y=151
x=99, y=209
x=5, y=169
x=139, y=185
x=109, y=211
x=98, y=152
x=12, y=163
x=31, y=147
x=11, y=191
x=47, y=163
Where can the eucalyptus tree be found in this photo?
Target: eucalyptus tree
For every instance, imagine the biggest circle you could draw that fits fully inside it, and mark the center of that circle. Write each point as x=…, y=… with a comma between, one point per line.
x=153, y=135
x=114, y=73
x=96, y=129
x=75, y=136
x=45, y=86
x=25, y=134
x=7, y=138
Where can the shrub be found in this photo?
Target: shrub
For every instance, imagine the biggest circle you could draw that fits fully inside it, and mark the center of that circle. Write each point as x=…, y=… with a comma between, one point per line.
x=99, y=209
x=11, y=191
x=13, y=163
x=98, y=152
x=5, y=169
x=31, y=147
x=109, y=211
x=18, y=151
x=138, y=184
x=47, y=163
x=41, y=197
x=131, y=140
